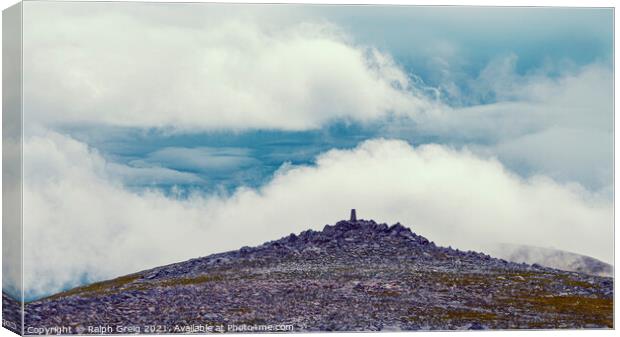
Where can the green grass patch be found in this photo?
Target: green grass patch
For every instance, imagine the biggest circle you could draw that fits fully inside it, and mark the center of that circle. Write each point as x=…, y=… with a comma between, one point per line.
x=126, y=283
x=585, y=309
x=190, y=280
x=97, y=288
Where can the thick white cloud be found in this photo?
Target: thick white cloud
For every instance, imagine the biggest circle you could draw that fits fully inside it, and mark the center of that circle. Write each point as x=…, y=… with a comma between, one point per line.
x=79, y=221
x=122, y=69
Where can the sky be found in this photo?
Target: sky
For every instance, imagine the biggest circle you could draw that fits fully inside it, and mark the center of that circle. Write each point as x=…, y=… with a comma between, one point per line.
x=156, y=133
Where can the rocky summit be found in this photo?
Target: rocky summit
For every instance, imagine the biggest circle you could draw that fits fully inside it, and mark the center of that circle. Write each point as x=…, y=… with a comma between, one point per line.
x=356, y=275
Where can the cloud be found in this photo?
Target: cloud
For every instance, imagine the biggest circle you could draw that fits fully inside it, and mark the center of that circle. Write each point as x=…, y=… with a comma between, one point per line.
x=81, y=224
x=151, y=175
x=558, y=126
x=286, y=68
x=11, y=205
x=566, y=154
x=202, y=159
x=116, y=68
x=581, y=99
x=449, y=46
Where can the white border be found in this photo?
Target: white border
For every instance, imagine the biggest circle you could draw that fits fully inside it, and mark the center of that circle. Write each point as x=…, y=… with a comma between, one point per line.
x=505, y=3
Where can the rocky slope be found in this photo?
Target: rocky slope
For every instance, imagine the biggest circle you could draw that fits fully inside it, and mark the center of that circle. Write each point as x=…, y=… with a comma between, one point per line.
x=352, y=276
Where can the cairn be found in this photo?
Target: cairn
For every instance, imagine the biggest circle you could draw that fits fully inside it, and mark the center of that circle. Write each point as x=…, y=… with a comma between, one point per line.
x=353, y=215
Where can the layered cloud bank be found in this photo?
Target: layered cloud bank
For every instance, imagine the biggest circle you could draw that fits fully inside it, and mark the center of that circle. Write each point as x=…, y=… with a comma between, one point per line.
x=560, y=127
x=85, y=226
x=282, y=68
x=119, y=69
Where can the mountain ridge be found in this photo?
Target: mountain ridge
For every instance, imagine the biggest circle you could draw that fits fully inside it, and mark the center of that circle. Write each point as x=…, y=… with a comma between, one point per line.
x=353, y=275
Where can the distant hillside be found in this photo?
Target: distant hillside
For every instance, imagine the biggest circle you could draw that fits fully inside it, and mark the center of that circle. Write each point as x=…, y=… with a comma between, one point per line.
x=553, y=258
x=352, y=276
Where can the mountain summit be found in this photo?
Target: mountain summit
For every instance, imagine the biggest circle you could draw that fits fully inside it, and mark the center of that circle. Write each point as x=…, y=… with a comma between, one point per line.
x=355, y=275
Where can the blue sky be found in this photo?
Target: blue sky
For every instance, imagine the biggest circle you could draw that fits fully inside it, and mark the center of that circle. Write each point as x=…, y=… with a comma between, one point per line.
x=163, y=128
x=228, y=159
x=468, y=39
